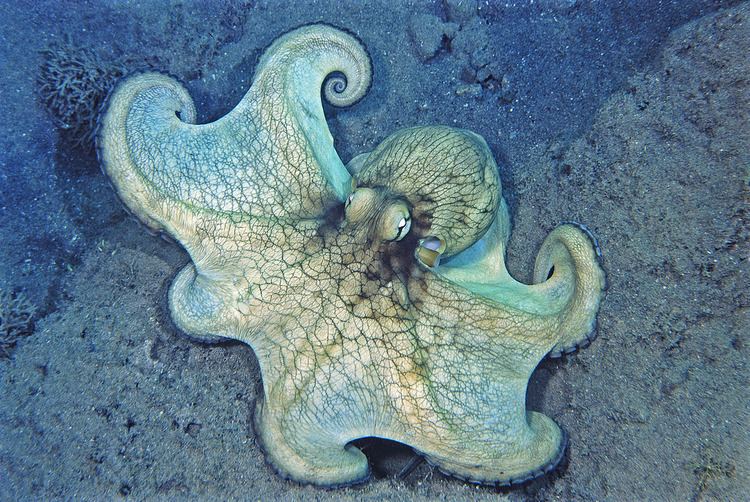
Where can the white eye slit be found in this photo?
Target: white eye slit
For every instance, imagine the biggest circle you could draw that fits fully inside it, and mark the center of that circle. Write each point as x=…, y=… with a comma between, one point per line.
x=403, y=228
x=349, y=199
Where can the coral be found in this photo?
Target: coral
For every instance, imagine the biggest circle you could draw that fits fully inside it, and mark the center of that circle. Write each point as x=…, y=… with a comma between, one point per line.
x=75, y=79
x=16, y=320
x=72, y=84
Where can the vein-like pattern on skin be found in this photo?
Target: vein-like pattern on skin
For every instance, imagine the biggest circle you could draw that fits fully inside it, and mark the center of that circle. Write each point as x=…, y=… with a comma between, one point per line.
x=449, y=175
x=336, y=282
x=274, y=146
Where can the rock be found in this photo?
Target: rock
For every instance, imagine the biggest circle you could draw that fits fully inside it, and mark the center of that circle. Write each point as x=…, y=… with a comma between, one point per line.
x=460, y=11
x=427, y=33
x=469, y=90
x=450, y=29
x=476, y=56
x=490, y=76
x=474, y=36
x=507, y=89
x=483, y=74
x=481, y=57
x=468, y=74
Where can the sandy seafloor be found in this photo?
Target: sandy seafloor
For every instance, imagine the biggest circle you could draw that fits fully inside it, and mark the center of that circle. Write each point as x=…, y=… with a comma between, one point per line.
x=629, y=116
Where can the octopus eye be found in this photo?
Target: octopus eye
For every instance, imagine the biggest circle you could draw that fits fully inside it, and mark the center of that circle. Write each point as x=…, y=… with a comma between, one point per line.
x=394, y=222
x=404, y=225
x=349, y=200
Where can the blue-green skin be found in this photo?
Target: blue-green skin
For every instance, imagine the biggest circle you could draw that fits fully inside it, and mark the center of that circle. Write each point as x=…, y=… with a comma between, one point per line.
x=358, y=327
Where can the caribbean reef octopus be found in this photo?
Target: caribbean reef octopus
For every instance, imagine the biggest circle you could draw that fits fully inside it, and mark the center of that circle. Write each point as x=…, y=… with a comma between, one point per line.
x=375, y=295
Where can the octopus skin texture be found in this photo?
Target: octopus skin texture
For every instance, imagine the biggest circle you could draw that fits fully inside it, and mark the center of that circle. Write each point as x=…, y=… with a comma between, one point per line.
x=374, y=294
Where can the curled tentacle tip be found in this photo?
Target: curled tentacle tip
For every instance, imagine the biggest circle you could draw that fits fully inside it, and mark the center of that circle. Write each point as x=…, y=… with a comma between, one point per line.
x=352, y=69
x=335, y=84
x=338, y=92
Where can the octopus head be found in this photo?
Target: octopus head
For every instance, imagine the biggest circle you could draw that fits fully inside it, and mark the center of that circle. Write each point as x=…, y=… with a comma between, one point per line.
x=386, y=216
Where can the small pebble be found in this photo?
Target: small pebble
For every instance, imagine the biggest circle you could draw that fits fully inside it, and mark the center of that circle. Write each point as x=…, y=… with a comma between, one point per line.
x=507, y=89
x=470, y=90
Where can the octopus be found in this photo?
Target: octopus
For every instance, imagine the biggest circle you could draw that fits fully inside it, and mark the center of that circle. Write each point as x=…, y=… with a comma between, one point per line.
x=374, y=294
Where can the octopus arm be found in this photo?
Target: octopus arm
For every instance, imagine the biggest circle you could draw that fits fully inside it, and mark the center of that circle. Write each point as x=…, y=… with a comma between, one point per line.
x=271, y=157
x=568, y=279
x=265, y=169
x=290, y=76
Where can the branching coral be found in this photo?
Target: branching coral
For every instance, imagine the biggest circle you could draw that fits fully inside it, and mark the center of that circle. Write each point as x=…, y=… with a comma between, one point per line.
x=73, y=82
x=16, y=320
